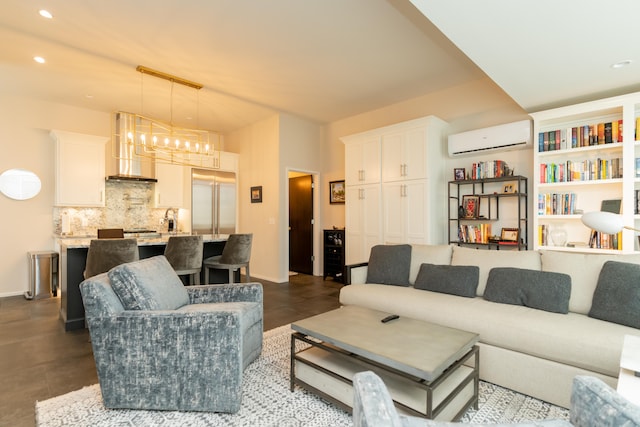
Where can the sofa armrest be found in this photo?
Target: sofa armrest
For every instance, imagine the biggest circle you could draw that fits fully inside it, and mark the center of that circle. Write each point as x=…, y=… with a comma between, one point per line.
x=356, y=273
x=249, y=292
x=594, y=403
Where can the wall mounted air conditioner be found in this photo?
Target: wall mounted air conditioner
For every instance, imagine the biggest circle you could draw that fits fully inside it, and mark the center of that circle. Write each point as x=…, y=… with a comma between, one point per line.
x=510, y=136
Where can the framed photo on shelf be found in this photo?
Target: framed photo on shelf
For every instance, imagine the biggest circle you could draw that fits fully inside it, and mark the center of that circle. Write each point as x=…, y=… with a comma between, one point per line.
x=256, y=194
x=336, y=192
x=509, y=235
x=459, y=174
x=509, y=187
x=471, y=206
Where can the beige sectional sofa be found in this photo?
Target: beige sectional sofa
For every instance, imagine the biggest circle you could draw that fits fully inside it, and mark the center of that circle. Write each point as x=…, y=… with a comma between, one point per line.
x=533, y=351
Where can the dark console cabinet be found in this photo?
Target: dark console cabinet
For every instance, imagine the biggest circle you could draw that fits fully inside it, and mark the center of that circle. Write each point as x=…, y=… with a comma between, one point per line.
x=334, y=254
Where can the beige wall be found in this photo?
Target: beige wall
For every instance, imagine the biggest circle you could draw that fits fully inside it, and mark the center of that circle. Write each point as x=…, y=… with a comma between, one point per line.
x=25, y=141
x=268, y=151
x=258, y=147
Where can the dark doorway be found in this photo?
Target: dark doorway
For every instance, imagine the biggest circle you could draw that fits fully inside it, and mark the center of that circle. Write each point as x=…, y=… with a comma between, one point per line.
x=301, y=224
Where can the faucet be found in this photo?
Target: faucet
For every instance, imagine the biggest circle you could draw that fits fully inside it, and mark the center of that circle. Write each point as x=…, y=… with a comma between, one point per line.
x=172, y=222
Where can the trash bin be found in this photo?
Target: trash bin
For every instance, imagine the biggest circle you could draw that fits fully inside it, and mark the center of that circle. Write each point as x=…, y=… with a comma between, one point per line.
x=43, y=275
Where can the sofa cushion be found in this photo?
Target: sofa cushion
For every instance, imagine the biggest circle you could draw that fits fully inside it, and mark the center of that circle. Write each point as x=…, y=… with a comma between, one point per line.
x=486, y=260
x=584, y=270
x=428, y=254
x=389, y=265
x=461, y=280
x=531, y=288
x=617, y=295
x=148, y=284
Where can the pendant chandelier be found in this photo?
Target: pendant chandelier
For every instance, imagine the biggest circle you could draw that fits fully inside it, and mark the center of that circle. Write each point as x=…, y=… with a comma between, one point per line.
x=161, y=142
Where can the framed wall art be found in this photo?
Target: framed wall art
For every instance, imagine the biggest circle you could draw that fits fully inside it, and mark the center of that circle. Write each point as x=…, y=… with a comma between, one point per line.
x=471, y=206
x=256, y=194
x=336, y=192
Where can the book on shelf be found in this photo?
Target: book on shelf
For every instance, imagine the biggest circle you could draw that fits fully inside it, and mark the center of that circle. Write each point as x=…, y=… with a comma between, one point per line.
x=489, y=169
x=542, y=235
x=586, y=170
x=557, y=203
x=599, y=240
x=474, y=233
x=582, y=136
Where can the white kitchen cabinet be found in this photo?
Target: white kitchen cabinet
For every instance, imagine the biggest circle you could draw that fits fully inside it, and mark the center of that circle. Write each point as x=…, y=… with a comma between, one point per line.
x=228, y=162
x=362, y=154
x=363, y=221
x=79, y=169
x=169, y=190
x=403, y=165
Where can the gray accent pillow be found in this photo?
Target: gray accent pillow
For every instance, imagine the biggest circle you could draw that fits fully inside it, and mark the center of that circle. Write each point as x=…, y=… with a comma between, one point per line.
x=148, y=284
x=461, y=280
x=617, y=295
x=542, y=290
x=389, y=265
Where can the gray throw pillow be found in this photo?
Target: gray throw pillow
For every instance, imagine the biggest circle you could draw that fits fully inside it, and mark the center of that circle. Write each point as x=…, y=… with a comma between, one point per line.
x=617, y=295
x=461, y=280
x=148, y=284
x=542, y=290
x=389, y=265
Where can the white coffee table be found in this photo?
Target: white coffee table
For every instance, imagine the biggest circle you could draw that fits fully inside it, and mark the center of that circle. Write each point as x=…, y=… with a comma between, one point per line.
x=430, y=370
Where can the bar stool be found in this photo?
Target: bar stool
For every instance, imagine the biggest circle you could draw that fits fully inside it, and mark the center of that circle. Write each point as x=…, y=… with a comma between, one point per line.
x=184, y=253
x=235, y=255
x=104, y=254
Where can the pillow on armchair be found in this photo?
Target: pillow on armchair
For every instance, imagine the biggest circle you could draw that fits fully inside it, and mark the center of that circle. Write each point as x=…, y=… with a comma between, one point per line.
x=148, y=284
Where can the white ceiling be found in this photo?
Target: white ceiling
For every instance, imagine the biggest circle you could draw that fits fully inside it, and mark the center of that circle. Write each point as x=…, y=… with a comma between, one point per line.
x=323, y=60
x=546, y=53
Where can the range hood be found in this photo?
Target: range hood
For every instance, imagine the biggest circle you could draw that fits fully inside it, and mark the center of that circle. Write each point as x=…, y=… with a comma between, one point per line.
x=126, y=165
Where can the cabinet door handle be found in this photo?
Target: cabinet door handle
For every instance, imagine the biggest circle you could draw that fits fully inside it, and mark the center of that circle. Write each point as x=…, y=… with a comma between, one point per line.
x=406, y=169
x=401, y=170
x=361, y=194
x=363, y=175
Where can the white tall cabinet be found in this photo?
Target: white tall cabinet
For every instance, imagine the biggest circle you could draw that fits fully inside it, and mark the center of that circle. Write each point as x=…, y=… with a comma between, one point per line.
x=79, y=169
x=395, y=186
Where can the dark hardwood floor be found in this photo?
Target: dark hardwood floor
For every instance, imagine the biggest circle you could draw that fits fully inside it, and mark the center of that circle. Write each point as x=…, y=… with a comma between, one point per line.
x=40, y=360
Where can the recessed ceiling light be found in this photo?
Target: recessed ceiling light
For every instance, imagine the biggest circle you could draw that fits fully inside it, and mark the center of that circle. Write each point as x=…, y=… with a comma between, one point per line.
x=621, y=63
x=88, y=96
x=39, y=59
x=45, y=14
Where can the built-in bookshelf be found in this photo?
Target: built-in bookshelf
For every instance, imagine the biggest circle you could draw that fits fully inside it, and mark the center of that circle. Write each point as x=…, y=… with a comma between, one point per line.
x=586, y=153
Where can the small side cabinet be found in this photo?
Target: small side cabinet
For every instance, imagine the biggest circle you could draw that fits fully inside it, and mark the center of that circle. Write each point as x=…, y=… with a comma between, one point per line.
x=334, y=254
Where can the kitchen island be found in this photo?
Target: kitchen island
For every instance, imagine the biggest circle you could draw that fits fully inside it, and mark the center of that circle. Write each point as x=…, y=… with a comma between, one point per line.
x=73, y=257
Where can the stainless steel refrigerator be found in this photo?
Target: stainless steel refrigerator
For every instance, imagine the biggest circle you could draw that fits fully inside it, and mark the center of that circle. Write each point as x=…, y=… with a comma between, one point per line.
x=213, y=202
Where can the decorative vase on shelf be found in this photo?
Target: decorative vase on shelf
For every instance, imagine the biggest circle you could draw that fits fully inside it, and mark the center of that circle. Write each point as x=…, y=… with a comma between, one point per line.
x=558, y=236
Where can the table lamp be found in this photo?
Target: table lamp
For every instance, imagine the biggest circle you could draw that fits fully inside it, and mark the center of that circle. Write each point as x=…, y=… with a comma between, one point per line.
x=605, y=222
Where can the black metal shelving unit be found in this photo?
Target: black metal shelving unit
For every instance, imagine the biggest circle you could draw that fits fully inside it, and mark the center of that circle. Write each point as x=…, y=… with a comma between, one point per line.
x=490, y=190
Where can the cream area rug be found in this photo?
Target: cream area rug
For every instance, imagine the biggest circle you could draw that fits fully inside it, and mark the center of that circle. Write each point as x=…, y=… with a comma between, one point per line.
x=267, y=401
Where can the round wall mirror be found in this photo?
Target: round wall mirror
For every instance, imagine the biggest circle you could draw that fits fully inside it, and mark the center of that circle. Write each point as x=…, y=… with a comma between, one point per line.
x=19, y=184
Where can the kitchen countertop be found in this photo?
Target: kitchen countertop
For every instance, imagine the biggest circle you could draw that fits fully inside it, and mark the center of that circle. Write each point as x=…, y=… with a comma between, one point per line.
x=83, y=241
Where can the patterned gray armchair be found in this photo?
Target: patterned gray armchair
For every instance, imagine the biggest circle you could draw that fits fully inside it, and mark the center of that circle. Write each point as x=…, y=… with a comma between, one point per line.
x=593, y=404
x=160, y=345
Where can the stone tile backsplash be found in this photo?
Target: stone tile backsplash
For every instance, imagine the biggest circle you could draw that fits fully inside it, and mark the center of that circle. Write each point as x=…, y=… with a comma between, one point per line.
x=128, y=205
